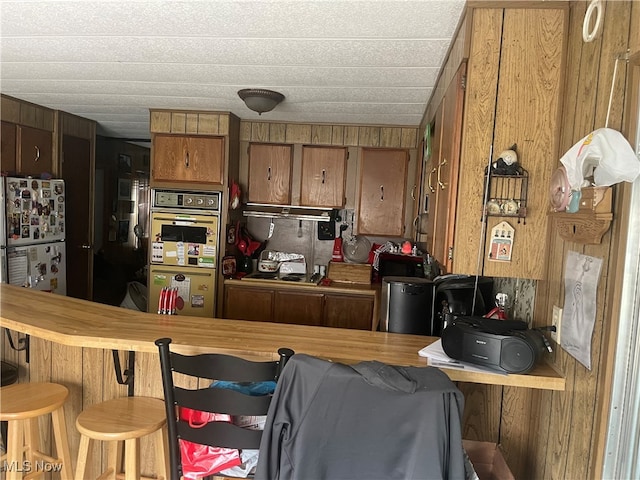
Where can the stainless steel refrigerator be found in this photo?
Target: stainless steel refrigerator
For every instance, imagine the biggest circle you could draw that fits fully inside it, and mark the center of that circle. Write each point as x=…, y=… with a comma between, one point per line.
x=32, y=240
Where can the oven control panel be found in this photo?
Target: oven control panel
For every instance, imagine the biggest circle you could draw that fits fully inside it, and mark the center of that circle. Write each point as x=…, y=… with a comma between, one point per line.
x=209, y=201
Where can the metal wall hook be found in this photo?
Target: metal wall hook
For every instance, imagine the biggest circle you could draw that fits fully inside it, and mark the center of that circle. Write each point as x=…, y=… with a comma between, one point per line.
x=23, y=343
x=125, y=377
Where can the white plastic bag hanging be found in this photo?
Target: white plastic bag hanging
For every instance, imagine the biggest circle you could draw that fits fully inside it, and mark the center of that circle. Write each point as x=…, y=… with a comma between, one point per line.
x=604, y=154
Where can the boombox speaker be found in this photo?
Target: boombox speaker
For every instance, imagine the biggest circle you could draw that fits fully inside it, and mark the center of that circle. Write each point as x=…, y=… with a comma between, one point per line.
x=505, y=345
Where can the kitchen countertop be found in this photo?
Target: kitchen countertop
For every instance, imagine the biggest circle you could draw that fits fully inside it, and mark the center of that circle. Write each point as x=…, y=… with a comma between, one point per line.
x=75, y=322
x=335, y=287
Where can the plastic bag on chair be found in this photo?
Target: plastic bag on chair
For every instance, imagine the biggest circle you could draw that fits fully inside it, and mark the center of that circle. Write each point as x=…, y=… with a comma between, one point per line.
x=202, y=460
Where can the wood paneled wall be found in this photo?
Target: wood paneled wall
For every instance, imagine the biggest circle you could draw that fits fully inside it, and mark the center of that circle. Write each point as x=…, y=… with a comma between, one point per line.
x=562, y=435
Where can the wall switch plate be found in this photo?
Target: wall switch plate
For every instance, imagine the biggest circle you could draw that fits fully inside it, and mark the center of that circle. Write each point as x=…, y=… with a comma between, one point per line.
x=556, y=321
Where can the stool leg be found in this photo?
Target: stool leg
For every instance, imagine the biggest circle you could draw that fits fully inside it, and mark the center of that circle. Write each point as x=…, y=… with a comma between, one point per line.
x=31, y=439
x=3, y=432
x=160, y=440
x=83, y=453
x=114, y=458
x=131, y=459
x=62, y=443
x=15, y=448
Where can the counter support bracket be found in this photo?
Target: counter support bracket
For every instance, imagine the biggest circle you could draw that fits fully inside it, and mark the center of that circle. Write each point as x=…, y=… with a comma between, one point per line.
x=23, y=344
x=125, y=377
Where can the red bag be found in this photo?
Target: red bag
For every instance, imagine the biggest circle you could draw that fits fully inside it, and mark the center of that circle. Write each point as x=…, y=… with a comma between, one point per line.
x=203, y=460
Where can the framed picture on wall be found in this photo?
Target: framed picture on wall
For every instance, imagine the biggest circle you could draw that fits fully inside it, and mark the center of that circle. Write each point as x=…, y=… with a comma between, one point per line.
x=124, y=189
x=124, y=163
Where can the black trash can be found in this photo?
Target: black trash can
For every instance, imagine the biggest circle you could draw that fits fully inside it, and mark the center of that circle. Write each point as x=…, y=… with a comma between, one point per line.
x=406, y=305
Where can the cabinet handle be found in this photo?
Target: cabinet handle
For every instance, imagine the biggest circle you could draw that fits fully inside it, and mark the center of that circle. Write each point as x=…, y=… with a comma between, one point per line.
x=442, y=185
x=413, y=192
x=37, y=153
x=433, y=190
x=268, y=173
x=381, y=193
x=186, y=160
x=323, y=175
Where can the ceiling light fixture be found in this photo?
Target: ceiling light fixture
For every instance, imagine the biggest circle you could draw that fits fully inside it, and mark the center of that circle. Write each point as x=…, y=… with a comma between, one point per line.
x=260, y=100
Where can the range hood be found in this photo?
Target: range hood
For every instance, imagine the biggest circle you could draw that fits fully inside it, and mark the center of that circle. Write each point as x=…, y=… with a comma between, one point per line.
x=294, y=212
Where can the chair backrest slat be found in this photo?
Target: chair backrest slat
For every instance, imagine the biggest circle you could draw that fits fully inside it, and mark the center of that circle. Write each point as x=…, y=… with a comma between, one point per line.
x=223, y=367
x=235, y=437
x=220, y=400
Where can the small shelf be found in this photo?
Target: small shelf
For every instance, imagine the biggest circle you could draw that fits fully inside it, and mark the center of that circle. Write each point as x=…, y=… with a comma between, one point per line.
x=507, y=195
x=591, y=221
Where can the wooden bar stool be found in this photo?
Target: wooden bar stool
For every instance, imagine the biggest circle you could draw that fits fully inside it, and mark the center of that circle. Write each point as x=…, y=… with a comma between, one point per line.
x=125, y=420
x=22, y=404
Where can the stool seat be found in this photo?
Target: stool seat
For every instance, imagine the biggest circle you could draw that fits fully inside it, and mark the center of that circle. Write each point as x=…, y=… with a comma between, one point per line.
x=123, y=420
x=22, y=404
x=28, y=400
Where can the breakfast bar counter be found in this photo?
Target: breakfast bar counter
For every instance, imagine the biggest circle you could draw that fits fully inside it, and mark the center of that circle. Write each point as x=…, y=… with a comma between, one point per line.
x=79, y=323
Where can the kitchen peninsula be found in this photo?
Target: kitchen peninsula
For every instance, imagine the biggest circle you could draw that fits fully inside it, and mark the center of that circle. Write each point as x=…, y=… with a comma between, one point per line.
x=80, y=323
x=78, y=343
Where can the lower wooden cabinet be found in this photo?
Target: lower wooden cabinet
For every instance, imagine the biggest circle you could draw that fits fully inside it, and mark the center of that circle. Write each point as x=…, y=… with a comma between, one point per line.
x=348, y=311
x=244, y=303
x=298, y=308
x=266, y=304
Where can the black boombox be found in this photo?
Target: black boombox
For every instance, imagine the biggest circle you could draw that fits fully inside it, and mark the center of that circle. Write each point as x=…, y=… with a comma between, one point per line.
x=505, y=345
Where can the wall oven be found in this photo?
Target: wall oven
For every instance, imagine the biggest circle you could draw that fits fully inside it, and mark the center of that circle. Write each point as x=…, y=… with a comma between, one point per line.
x=184, y=233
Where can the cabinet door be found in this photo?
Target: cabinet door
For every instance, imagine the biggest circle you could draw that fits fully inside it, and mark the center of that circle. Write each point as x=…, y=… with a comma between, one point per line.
x=323, y=176
x=178, y=158
x=348, y=311
x=8, y=145
x=430, y=182
x=446, y=176
x=35, y=154
x=242, y=303
x=298, y=308
x=270, y=173
x=383, y=180
x=522, y=96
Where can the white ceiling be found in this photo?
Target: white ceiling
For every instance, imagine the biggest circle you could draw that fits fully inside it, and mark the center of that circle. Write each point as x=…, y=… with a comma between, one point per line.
x=352, y=61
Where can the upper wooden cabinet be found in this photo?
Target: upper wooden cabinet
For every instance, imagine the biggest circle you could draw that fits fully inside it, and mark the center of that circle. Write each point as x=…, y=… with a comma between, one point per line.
x=196, y=150
x=441, y=172
x=28, y=138
x=383, y=181
x=270, y=173
x=180, y=158
x=512, y=95
x=8, y=145
x=323, y=176
x=35, y=151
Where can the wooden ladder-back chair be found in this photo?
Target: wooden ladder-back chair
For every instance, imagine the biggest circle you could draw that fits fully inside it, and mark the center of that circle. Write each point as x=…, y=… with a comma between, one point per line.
x=222, y=401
